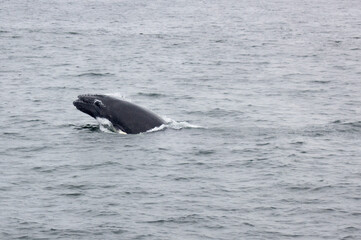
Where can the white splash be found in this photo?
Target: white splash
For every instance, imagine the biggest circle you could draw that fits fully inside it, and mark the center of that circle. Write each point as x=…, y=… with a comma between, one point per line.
x=156, y=129
x=172, y=124
x=179, y=125
x=106, y=126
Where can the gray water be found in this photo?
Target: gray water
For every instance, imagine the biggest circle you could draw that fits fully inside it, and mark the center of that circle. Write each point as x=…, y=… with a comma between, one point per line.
x=262, y=100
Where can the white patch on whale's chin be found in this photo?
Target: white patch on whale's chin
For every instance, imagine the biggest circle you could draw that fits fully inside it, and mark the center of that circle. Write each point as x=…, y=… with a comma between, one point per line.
x=121, y=132
x=107, y=126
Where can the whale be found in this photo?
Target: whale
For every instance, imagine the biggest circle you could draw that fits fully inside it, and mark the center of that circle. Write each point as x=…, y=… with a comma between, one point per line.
x=126, y=117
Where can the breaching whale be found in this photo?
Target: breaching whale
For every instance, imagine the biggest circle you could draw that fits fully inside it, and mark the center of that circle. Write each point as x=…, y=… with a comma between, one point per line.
x=126, y=117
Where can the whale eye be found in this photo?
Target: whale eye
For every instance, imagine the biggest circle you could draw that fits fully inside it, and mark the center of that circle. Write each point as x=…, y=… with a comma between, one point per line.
x=98, y=103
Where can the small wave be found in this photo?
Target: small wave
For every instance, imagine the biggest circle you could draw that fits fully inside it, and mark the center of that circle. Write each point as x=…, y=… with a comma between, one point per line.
x=90, y=127
x=353, y=124
x=73, y=33
x=346, y=127
x=74, y=195
x=192, y=219
x=94, y=74
x=337, y=127
x=152, y=95
x=321, y=81
x=205, y=152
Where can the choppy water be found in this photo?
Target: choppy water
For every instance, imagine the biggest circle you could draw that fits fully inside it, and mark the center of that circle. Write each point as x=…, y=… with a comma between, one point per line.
x=274, y=87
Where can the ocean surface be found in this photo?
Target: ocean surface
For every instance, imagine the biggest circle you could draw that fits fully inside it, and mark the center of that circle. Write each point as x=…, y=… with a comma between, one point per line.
x=263, y=107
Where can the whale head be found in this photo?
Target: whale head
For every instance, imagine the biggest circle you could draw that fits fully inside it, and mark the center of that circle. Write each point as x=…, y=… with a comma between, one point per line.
x=93, y=105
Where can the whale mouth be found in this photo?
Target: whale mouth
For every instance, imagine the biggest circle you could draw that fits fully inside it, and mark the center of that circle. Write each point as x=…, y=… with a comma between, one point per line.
x=85, y=103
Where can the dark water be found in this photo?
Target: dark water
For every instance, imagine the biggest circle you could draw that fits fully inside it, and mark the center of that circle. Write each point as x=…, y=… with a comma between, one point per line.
x=263, y=100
